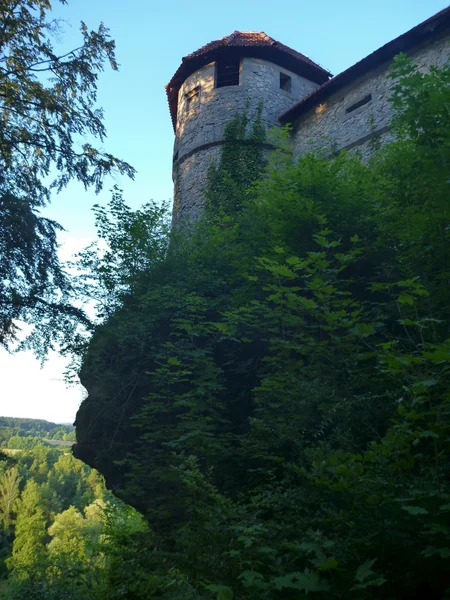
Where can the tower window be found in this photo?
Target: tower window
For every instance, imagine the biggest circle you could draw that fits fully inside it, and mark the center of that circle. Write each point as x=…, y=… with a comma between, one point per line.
x=358, y=104
x=285, y=82
x=192, y=99
x=227, y=72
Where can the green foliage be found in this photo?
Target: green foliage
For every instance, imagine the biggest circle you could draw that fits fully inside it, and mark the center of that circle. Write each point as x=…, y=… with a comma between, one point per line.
x=61, y=532
x=129, y=244
x=28, y=552
x=9, y=494
x=76, y=567
x=241, y=164
x=47, y=105
x=272, y=393
x=18, y=442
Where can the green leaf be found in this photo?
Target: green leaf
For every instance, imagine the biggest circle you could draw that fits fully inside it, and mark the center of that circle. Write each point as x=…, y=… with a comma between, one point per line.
x=405, y=299
x=253, y=579
x=173, y=361
x=326, y=565
x=440, y=355
x=266, y=549
x=365, y=570
x=425, y=383
x=415, y=510
x=408, y=322
x=222, y=327
x=441, y=552
x=377, y=582
x=364, y=329
x=308, y=581
x=307, y=303
x=321, y=241
x=429, y=434
x=223, y=591
x=294, y=261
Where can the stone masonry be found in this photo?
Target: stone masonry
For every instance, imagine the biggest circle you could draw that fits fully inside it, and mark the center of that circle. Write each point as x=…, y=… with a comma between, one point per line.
x=329, y=115
x=329, y=128
x=201, y=121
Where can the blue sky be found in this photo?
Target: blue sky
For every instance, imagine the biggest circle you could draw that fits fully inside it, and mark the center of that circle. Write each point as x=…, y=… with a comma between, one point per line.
x=151, y=38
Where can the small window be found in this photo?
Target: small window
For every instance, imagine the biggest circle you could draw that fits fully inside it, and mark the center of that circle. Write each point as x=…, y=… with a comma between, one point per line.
x=360, y=103
x=192, y=98
x=227, y=72
x=285, y=82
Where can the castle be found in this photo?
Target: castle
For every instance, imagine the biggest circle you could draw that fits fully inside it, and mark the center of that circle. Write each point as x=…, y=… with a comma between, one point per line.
x=247, y=69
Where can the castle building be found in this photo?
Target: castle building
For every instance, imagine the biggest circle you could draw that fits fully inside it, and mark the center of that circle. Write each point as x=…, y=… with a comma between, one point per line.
x=251, y=69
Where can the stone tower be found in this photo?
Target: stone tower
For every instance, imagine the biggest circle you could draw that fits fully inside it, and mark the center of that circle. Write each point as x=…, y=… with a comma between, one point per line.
x=215, y=82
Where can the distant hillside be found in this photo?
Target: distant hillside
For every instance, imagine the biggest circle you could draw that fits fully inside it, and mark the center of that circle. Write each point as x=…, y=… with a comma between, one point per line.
x=15, y=426
x=31, y=424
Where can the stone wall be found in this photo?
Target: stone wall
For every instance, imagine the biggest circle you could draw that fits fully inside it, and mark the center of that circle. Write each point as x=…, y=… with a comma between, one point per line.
x=329, y=127
x=203, y=112
x=335, y=125
x=190, y=179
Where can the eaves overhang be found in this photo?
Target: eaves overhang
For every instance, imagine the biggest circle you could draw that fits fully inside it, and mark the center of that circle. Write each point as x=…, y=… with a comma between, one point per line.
x=413, y=38
x=243, y=44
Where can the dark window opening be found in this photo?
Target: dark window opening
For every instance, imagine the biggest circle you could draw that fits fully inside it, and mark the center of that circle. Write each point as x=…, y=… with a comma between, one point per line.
x=285, y=82
x=227, y=72
x=192, y=98
x=360, y=103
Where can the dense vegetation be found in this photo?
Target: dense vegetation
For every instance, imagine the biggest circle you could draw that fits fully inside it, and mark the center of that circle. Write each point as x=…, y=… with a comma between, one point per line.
x=59, y=527
x=12, y=428
x=271, y=388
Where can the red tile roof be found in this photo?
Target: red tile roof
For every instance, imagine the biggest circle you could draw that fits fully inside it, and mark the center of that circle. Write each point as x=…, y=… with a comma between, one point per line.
x=245, y=43
x=404, y=43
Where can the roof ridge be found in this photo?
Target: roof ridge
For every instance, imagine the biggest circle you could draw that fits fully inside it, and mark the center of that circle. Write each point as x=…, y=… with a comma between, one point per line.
x=232, y=36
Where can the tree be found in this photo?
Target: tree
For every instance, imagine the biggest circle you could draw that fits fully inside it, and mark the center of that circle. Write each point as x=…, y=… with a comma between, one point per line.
x=130, y=244
x=28, y=552
x=76, y=565
x=47, y=105
x=9, y=494
x=69, y=480
x=19, y=442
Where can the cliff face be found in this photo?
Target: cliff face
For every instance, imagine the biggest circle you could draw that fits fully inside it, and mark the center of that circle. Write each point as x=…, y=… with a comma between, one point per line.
x=161, y=383
x=103, y=422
